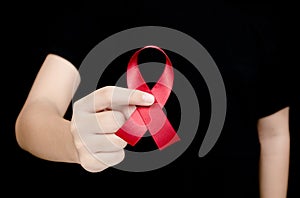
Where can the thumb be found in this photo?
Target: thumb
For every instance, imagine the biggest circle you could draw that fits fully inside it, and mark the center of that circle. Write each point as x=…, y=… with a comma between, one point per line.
x=114, y=97
x=141, y=98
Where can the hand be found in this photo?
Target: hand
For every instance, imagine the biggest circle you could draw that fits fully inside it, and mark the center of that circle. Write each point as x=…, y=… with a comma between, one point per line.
x=96, y=118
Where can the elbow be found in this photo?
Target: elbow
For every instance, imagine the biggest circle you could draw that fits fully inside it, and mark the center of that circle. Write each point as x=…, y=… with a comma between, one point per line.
x=23, y=127
x=19, y=131
x=274, y=143
x=273, y=133
x=274, y=137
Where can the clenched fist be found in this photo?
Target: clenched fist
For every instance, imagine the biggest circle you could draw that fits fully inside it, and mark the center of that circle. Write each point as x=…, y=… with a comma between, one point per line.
x=96, y=118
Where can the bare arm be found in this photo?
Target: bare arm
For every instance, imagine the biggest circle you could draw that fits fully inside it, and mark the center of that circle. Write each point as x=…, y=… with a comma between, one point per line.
x=88, y=138
x=274, y=139
x=40, y=126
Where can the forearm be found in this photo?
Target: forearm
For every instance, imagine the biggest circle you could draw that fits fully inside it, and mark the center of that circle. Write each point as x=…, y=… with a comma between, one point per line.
x=45, y=135
x=274, y=166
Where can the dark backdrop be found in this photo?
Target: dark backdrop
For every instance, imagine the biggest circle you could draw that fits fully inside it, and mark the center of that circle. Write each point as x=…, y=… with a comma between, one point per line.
x=22, y=30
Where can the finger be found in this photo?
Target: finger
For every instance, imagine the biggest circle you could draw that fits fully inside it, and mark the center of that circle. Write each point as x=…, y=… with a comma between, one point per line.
x=125, y=109
x=102, y=122
x=110, y=158
x=110, y=96
x=110, y=121
x=90, y=163
x=104, y=143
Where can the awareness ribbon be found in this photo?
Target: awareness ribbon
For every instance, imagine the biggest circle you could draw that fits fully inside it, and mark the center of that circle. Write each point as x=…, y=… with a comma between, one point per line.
x=149, y=118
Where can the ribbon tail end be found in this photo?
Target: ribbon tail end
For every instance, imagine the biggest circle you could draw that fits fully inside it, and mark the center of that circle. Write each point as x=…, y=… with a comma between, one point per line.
x=172, y=141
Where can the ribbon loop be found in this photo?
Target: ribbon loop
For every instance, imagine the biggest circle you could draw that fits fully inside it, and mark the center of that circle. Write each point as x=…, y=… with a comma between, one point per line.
x=150, y=118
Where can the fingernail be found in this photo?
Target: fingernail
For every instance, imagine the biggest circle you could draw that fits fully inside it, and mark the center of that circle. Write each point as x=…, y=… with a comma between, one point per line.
x=148, y=98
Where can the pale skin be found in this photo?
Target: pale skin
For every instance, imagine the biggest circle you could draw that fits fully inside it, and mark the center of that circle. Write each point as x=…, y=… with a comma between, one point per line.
x=42, y=130
x=274, y=137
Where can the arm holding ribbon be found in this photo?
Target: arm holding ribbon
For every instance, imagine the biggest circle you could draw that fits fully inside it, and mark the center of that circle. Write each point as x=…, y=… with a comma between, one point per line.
x=89, y=138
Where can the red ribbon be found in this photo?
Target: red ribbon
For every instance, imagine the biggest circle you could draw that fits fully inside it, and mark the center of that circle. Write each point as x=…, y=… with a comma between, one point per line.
x=150, y=118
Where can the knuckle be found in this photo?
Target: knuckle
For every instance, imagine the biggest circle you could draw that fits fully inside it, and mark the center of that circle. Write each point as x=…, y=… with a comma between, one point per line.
x=117, y=142
x=93, y=165
x=76, y=105
x=88, y=161
x=107, y=91
x=118, y=118
x=118, y=156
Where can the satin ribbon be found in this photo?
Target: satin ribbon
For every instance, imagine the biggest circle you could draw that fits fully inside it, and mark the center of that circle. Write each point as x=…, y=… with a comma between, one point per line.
x=150, y=118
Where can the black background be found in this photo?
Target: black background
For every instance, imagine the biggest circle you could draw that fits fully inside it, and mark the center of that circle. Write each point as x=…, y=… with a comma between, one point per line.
x=24, y=27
